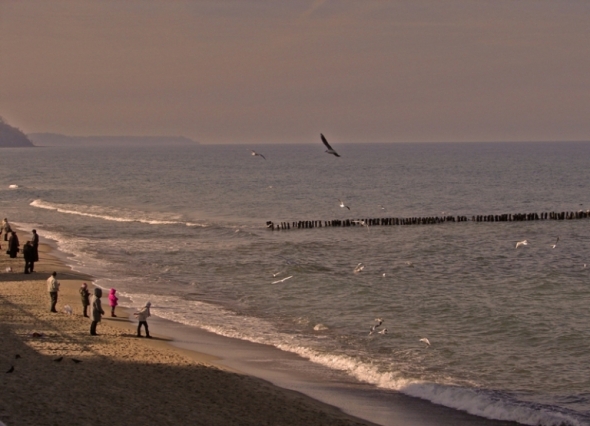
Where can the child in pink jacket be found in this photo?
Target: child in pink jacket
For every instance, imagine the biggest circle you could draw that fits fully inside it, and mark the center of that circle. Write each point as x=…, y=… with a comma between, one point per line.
x=113, y=301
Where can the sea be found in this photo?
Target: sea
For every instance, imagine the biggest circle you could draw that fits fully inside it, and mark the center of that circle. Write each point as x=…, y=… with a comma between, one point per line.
x=185, y=228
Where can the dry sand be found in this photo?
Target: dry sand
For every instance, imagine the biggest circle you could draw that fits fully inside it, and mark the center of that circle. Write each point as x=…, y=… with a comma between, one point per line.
x=121, y=379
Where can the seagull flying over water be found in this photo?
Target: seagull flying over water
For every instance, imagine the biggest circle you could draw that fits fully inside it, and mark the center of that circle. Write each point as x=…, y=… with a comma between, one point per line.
x=358, y=268
x=379, y=321
x=343, y=205
x=255, y=154
x=330, y=150
x=521, y=243
x=426, y=341
x=556, y=241
x=284, y=279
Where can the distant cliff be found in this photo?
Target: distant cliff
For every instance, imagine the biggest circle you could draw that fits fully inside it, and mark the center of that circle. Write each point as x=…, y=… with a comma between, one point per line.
x=11, y=137
x=54, y=139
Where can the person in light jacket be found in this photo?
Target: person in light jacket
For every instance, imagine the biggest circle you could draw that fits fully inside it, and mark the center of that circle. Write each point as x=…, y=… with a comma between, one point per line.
x=97, y=311
x=142, y=316
x=53, y=289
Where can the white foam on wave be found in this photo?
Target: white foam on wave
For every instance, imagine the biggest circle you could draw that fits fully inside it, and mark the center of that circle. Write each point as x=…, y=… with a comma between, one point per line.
x=483, y=403
x=221, y=321
x=114, y=215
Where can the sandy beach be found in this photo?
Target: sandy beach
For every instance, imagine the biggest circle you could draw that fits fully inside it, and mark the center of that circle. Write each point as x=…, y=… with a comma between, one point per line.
x=67, y=376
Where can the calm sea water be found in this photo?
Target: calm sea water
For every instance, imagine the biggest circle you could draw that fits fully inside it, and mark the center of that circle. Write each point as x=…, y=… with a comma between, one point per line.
x=184, y=227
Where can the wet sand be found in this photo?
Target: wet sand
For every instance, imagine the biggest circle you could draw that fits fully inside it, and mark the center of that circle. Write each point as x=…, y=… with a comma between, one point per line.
x=119, y=379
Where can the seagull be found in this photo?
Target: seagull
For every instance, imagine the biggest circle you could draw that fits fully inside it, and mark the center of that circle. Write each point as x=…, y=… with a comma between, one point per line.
x=410, y=264
x=584, y=266
x=11, y=369
x=556, y=241
x=255, y=154
x=521, y=243
x=384, y=331
x=284, y=279
x=58, y=359
x=379, y=321
x=362, y=223
x=426, y=341
x=382, y=207
x=358, y=268
x=330, y=150
x=342, y=204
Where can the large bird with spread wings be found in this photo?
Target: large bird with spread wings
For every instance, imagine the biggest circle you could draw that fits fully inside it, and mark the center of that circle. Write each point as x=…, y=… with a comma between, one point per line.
x=330, y=150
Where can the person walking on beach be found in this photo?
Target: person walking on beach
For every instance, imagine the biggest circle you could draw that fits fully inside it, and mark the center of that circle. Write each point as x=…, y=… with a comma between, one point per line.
x=53, y=288
x=85, y=296
x=142, y=316
x=29, y=255
x=13, y=245
x=35, y=244
x=113, y=301
x=6, y=229
x=97, y=311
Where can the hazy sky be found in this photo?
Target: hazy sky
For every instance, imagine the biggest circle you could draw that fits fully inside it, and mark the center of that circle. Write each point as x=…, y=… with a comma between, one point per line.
x=266, y=71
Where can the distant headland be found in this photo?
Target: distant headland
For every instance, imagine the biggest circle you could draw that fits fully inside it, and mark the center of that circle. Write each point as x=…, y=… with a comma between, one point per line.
x=11, y=137
x=54, y=139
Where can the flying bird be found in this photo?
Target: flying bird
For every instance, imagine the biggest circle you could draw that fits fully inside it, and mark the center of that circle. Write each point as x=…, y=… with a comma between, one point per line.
x=556, y=241
x=521, y=243
x=255, y=154
x=426, y=341
x=362, y=223
x=284, y=279
x=342, y=204
x=330, y=150
x=358, y=268
x=379, y=321
x=384, y=331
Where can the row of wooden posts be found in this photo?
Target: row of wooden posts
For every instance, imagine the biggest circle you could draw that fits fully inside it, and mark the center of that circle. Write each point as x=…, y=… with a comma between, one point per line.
x=392, y=221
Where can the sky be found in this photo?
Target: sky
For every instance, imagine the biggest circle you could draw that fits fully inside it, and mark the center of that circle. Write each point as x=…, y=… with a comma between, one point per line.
x=263, y=71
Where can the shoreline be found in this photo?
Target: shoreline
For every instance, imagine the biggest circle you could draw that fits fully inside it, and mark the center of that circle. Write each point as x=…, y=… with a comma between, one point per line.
x=121, y=379
x=265, y=368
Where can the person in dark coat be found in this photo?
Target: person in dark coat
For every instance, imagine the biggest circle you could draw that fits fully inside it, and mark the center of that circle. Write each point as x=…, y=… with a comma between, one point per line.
x=97, y=311
x=13, y=244
x=85, y=296
x=35, y=244
x=29, y=255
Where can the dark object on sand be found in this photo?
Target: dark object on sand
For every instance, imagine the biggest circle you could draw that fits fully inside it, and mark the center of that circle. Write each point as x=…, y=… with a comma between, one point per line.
x=11, y=369
x=58, y=359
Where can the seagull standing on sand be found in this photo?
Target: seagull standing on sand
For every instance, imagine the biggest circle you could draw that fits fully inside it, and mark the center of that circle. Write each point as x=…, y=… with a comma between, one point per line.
x=343, y=205
x=556, y=241
x=330, y=150
x=521, y=243
x=255, y=154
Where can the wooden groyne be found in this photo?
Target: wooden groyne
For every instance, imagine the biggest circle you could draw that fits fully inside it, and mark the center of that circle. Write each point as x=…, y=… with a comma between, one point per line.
x=428, y=220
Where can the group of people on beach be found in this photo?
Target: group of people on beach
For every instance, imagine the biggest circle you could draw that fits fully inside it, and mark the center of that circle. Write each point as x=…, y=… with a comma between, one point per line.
x=30, y=248
x=97, y=312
